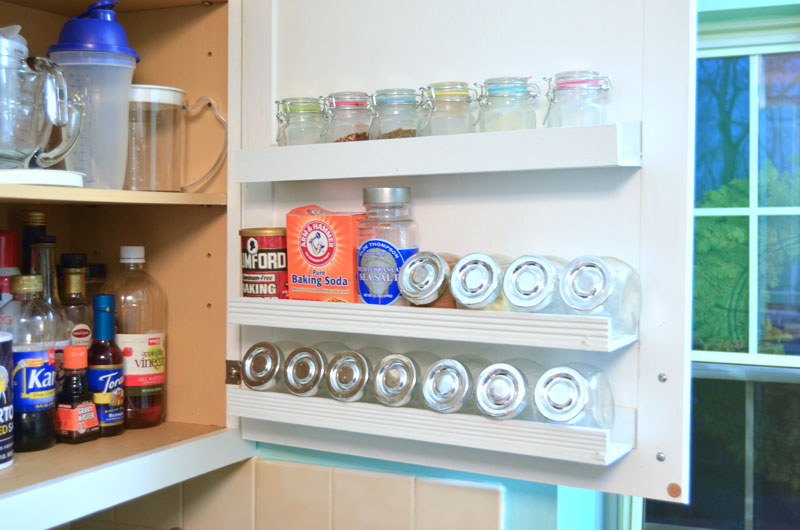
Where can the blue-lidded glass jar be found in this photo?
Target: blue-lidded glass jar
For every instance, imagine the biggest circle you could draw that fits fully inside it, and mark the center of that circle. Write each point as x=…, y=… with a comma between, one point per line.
x=507, y=103
x=396, y=113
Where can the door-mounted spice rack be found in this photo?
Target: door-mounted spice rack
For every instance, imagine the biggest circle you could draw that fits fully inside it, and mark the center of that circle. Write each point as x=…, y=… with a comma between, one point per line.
x=520, y=329
x=599, y=146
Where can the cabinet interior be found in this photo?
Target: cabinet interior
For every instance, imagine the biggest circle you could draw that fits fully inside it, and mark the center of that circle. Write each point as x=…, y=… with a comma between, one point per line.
x=184, y=47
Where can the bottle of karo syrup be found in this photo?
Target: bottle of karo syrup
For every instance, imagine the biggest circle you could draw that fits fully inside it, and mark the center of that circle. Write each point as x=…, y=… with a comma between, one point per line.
x=105, y=369
x=76, y=412
x=141, y=321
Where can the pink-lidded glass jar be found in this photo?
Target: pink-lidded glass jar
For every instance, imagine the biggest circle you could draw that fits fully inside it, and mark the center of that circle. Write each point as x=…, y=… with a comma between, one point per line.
x=351, y=116
x=577, y=98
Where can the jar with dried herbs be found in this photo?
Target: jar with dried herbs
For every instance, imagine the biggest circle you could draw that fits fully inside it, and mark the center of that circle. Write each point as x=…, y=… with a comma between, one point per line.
x=351, y=116
x=396, y=113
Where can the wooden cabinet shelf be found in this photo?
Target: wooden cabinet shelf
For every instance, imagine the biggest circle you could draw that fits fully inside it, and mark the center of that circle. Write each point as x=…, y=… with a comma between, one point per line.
x=22, y=193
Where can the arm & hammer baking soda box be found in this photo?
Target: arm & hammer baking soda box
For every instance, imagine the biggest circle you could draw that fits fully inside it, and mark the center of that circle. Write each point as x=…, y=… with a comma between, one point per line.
x=322, y=254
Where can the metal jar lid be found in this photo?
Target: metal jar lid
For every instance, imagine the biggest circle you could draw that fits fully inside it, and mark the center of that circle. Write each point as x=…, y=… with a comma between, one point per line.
x=530, y=282
x=446, y=385
x=501, y=391
x=423, y=278
x=347, y=376
x=386, y=195
x=586, y=283
x=395, y=380
x=305, y=368
x=476, y=280
x=561, y=394
x=26, y=283
x=279, y=231
x=261, y=366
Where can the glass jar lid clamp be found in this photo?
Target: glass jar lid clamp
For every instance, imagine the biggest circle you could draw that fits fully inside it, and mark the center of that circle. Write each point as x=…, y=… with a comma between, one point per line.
x=576, y=80
x=512, y=87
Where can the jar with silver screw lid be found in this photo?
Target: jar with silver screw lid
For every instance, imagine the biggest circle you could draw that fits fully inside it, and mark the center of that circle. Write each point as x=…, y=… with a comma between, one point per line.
x=447, y=384
x=574, y=394
x=301, y=121
x=505, y=390
x=507, y=103
x=397, y=378
x=305, y=368
x=577, y=98
x=530, y=284
x=263, y=363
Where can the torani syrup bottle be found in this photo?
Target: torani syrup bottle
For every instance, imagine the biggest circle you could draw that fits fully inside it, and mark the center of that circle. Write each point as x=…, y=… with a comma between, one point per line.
x=105, y=369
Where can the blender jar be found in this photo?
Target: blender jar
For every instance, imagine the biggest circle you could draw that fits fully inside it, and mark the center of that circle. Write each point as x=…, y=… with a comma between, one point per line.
x=98, y=64
x=157, y=139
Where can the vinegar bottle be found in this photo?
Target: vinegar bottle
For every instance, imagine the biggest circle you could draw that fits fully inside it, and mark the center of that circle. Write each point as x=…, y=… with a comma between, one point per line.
x=142, y=323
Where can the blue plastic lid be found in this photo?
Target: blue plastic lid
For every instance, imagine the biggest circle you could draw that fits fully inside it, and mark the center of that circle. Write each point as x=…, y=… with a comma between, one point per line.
x=95, y=30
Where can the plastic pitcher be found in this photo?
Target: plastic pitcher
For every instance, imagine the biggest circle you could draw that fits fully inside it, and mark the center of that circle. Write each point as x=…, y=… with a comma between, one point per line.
x=98, y=64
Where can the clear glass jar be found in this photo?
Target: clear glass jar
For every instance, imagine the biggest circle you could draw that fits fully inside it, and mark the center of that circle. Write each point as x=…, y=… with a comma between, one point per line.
x=530, y=284
x=574, y=394
x=504, y=390
x=396, y=113
x=350, y=115
x=397, y=378
x=387, y=237
x=577, y=98
x=476, y=282
x=349, y=375
x=450, y=108
x=507, y=104
x=301, y=121
x=447, y=384
x=595, y=286
x=262, y=364
x=424, y=279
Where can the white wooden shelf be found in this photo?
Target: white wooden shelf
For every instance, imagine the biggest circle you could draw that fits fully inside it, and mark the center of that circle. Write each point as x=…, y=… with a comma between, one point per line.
x=521, y=329
x=68, y=195
x=77, y=480
x=583, y=445
x=615, y=145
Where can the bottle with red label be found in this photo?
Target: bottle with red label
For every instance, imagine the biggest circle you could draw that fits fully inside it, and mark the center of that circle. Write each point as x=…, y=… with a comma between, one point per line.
x=8, y=264
x=142, y=324
x=76, y=414
x=76, y=305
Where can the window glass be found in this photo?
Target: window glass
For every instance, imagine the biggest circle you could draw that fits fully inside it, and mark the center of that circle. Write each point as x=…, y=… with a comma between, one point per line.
x=779, y=284
x=723, y=132
x=721, y=284
x=779, y=130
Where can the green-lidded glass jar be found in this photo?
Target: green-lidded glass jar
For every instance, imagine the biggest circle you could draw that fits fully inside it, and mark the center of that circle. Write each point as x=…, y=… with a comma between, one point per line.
x=450, y=108
x=396, y=113
x=300, y=121
x=507, y=103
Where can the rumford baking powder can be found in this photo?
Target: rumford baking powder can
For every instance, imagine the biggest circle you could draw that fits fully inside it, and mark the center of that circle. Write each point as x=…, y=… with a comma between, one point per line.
x=264, y=272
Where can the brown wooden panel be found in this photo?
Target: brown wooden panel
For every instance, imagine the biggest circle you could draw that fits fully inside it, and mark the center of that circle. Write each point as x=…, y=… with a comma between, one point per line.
x=70, y=8
x=39, y=28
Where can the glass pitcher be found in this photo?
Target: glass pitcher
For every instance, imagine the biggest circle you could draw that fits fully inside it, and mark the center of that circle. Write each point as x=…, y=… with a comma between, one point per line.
x=33, y=98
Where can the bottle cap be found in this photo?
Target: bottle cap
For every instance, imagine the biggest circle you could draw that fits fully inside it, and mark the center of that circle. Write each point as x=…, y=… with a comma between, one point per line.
x=75, y=357
x=8, y=249
x=95, y=30
x=73, y=261
x=44, y=240
x=12, y=43
x=26, y=283
x=103, y=303
x=131, y=254
x=34, y=218
x=446, y=385
x=386, y=195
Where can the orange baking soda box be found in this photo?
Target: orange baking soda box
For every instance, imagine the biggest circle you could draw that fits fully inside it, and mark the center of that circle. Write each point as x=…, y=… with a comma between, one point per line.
x=322, y=249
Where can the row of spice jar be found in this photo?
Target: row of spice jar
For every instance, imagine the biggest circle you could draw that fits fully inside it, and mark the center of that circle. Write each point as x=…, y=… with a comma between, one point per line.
x=574, y=394
x=576, y=98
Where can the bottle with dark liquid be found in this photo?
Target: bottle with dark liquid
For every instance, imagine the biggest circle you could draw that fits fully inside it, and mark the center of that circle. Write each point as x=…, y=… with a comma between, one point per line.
x=76, y=412
x=105, y=369
x=33, y=373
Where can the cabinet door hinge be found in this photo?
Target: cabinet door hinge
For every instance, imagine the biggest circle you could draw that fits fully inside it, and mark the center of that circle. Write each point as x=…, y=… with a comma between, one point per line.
x=233, y=372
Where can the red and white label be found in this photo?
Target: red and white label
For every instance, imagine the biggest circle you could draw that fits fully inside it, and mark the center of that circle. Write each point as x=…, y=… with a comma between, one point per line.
x=81, y=335
x=144, y=362
x=317, y=243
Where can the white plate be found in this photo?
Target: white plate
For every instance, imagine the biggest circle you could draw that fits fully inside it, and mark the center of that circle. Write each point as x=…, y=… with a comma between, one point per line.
x=49, y=177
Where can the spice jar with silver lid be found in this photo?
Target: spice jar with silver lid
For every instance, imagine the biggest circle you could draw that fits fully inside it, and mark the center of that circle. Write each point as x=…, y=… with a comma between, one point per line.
x=505, y=390
x=424, y=279
x=396, y=113
x=449, y=107
x=301, y=121
x=574, y=394
x=577, y=98
x=603, y=286
x=306, y=366
x=397, y=378
x=447, y=384
x=530, y=284
x=262, y=365
x=507, y=104
x=476, y=282
x=350, y=372
x=350, y=116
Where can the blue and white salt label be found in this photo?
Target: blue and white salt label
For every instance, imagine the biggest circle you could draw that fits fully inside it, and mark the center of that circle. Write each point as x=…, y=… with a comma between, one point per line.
x=379, y=263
